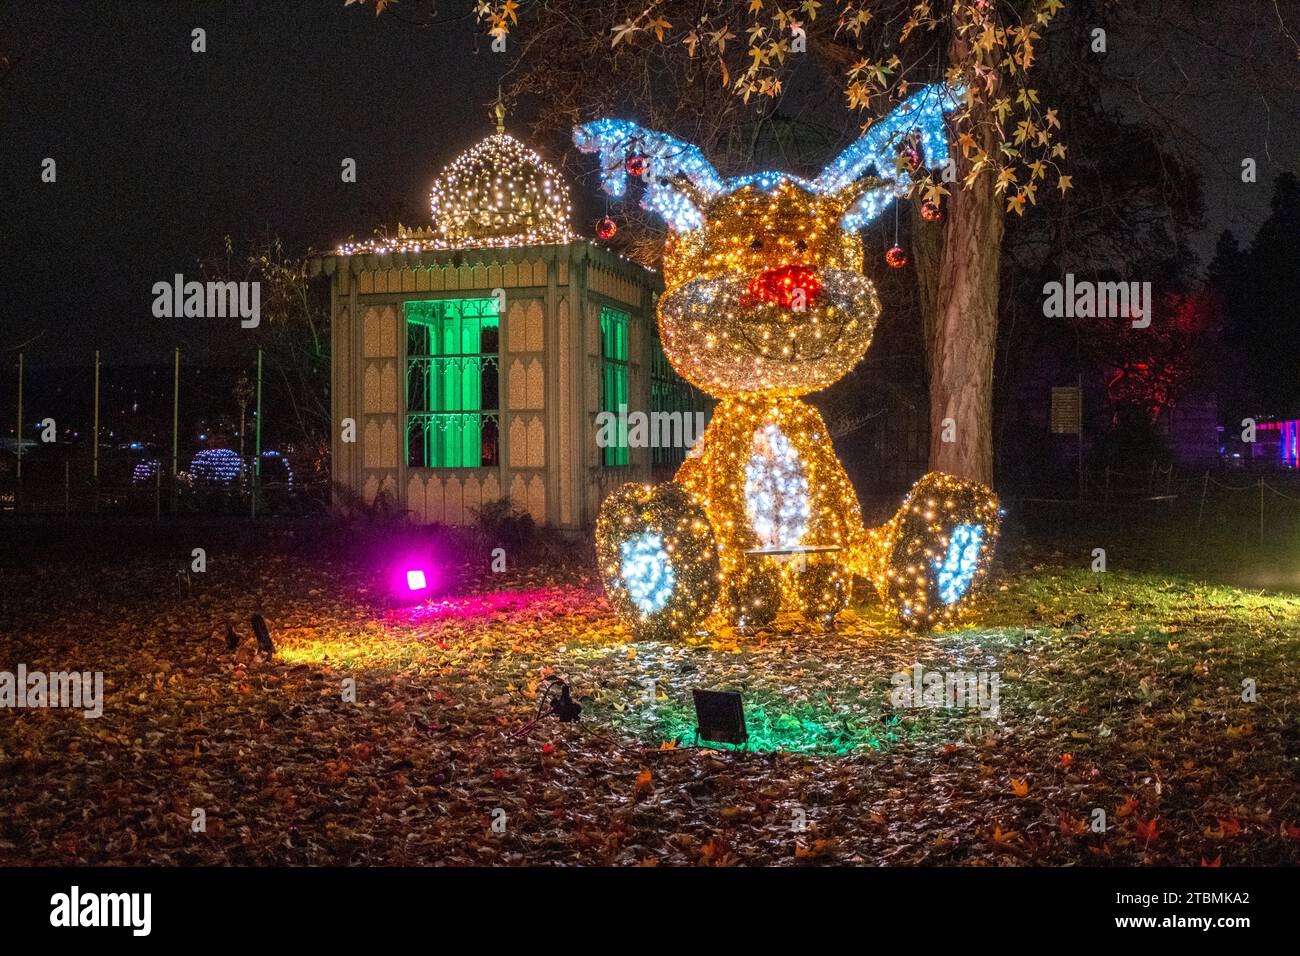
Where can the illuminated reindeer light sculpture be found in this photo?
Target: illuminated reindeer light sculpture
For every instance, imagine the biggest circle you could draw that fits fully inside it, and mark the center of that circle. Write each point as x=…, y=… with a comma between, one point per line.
x=765, y=302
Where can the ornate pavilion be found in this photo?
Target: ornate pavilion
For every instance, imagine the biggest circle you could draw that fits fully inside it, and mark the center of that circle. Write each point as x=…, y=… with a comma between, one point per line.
x=473, y=355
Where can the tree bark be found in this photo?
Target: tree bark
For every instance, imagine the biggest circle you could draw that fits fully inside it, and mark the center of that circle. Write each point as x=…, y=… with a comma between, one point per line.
x=927, y=247
x=966, y=317
x=961, y=367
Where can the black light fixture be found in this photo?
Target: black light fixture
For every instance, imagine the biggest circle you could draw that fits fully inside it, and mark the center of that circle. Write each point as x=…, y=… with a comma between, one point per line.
x=566, y=708
x=719, y=717
x=557, y=694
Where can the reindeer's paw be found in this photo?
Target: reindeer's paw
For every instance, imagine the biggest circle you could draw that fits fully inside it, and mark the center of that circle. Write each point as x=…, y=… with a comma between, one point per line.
x=932, y=555
x=658, y=559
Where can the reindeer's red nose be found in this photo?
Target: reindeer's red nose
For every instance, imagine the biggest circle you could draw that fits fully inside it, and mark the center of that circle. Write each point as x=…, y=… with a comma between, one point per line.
x=791, y=287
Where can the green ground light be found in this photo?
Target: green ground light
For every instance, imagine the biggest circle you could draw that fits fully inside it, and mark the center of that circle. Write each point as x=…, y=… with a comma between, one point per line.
x=783, y=725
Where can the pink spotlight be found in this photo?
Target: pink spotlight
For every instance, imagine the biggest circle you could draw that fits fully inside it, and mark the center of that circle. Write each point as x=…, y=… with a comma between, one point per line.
x=415, y=580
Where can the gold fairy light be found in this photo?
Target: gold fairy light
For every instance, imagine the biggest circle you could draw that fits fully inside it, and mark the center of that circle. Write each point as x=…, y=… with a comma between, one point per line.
x=769, y=296
x=730, y=491
x=498, y=193
x=765, y=301
x=927, y=562
x=658, y=559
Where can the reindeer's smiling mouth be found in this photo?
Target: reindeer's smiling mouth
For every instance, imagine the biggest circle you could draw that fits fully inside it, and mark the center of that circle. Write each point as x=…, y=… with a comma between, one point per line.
x=790, y=330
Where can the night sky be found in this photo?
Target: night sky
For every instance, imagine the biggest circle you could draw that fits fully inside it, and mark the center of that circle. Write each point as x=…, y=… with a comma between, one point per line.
x=162, y=152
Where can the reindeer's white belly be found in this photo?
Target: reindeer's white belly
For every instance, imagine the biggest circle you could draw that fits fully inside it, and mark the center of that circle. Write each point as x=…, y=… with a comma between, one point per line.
x=776, y=490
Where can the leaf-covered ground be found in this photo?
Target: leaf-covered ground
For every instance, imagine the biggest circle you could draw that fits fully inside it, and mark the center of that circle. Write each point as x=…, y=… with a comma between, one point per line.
x=1120, y=692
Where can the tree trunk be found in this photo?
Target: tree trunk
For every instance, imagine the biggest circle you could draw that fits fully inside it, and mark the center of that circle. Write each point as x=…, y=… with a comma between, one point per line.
x=966, y=316
x=961, y=365
x=927, y=249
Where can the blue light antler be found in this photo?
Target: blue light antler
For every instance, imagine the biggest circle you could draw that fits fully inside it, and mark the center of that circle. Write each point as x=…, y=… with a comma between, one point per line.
x=672, y=161
x=668, y=157
x=878, y=148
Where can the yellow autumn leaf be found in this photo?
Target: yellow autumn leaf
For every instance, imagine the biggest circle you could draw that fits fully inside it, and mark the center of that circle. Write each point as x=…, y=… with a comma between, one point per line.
x=1004, y=837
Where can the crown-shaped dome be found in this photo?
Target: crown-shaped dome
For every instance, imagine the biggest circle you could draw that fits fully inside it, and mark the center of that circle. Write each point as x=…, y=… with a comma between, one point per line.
x=500, y=193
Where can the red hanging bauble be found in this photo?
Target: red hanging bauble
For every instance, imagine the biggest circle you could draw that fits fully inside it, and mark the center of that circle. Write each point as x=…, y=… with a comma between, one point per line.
x=636, y=164
x=896, y=257
x=913, y=150
x=606, y=228
x=931, y=211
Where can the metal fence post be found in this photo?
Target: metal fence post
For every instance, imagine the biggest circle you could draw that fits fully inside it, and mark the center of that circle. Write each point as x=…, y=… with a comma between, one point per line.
x=1205, y=490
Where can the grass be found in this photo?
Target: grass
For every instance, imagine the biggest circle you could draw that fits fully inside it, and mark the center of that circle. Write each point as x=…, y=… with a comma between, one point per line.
x=1125, y=692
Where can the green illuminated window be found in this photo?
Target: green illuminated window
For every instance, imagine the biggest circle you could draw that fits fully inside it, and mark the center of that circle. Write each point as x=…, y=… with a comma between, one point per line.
x=452, y=390
x=614, y=387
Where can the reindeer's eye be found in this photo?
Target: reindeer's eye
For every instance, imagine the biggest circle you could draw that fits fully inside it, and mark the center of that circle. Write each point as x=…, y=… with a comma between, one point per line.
x=801, y=246
x=756, y=244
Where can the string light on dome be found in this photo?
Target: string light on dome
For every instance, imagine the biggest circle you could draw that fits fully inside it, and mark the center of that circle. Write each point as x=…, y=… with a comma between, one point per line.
x=144, y=471
x=497, y=194
x=282, y=470
x=500, y=193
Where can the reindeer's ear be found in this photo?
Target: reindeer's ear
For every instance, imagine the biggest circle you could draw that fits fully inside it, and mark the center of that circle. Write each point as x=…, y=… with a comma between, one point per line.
x=862, y=200
x=679, y=180
x=876, y=151
x=852, y=194
x=678, y=200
